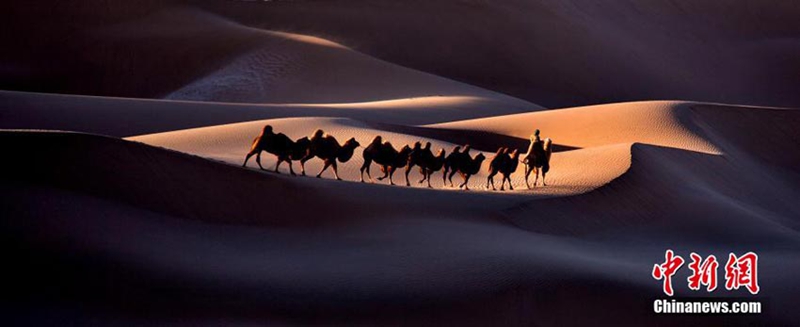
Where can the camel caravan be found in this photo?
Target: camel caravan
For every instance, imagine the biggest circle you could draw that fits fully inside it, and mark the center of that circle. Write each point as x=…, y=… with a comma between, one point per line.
x=325, y=147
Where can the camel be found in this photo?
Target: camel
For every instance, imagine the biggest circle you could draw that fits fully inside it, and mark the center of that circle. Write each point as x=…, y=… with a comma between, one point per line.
x=509, y=168
x=280, y=145
x=430, y=164
x=452, y=161
x=315, y=141
x=469, y=166
x=449, y=163
x=327, y=148
x=373, y=152
x=418, y=157
x=496, y=165
x=400, y=160
x=384, y=154
x=538, y=156
x=262, y=142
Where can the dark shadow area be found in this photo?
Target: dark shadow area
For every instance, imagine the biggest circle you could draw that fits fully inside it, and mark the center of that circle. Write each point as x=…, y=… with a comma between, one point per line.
x=483, y=141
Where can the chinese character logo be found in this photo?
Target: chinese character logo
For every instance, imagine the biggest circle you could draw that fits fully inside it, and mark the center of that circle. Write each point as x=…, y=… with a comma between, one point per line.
x=740, y=271
x=665, y=270
x=703, y=273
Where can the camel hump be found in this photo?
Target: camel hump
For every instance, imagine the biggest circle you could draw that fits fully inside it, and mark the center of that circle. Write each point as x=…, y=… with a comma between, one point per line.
x=329, y=137
x=547, y=143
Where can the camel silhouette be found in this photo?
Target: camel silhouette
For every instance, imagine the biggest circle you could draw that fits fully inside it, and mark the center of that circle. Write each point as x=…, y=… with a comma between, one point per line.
x=386, y=156
x=469, y=166
x=327, y=148
x=538, y=157
x=509, y=168
x=431, y=164
x=452, y=161
x=497, y=163
x=278, y=144
x=418, y=157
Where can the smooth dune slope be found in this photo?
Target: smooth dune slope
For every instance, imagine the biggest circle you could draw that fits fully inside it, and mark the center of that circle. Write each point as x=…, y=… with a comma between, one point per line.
x=567, y=53
x=182, y=53
x=130, y=116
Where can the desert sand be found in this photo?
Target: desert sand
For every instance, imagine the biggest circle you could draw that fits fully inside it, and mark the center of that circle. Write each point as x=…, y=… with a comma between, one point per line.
x=124, y=201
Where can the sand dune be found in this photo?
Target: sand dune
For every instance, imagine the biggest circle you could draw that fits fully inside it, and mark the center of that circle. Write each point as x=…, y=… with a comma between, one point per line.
x=230, y=143
x=528, y=243
x=210, y=58
x=127, y=205
x=130, y=116
x=567, y=53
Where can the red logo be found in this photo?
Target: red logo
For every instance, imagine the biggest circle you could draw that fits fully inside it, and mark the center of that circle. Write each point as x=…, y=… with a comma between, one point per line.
x=704, y=273
x=740, y=271
x=667, y=269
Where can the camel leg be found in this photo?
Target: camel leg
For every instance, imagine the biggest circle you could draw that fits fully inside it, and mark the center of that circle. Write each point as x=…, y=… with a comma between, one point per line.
x=408, y=170
x=465, y=184
x=543, y=174
x=510, y=187
x=303, y=164
x=429, y=179
x=490, y=180
x=280, y=161
x=527, y=173
x=291, y=170
x=368, y=174
x=444, y=176
x=385, y=173
x=258, y=160
x=536, y=180
x=250, y=154
x=391, y=173
x=335, y=170
x=450, y=178
x=363, y=168
x=325, y=167
x=424, y=176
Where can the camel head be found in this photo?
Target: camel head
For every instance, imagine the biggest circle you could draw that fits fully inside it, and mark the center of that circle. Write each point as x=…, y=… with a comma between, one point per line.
x=351, y=143
x=417, y=145
x=457, y=149
x=515, y=153
x=346, y=152
x=267, y=130
x=405, y=150
x=479, y=158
